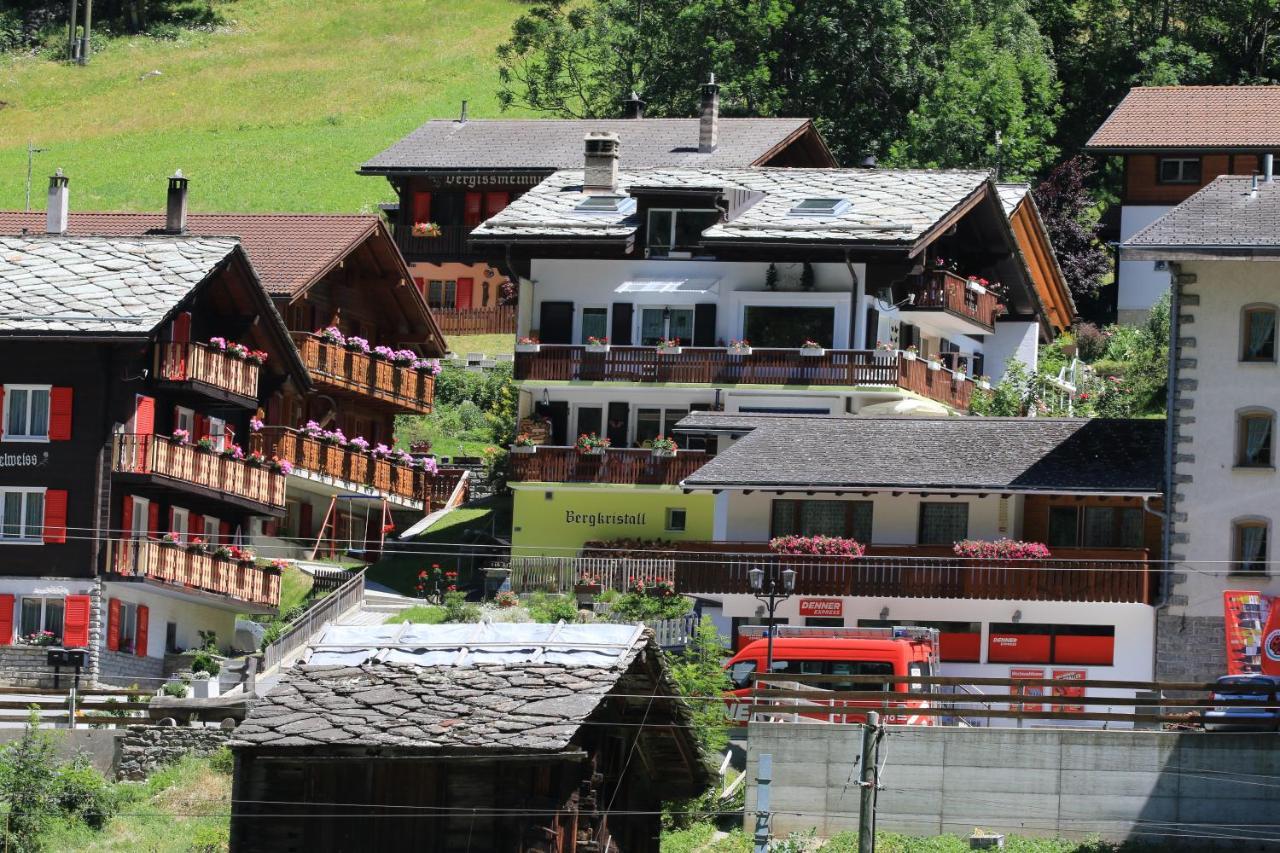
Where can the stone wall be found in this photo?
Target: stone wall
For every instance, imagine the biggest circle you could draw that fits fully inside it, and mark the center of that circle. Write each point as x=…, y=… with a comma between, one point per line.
x=27, y=666
x=122, y=670
x=1190, y=648
x=143, y=749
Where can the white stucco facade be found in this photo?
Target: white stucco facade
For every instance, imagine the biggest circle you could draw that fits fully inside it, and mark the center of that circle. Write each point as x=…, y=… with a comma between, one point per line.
x=1140, y=283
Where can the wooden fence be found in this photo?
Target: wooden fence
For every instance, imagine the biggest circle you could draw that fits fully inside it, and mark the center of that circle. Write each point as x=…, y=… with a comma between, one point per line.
x=499, y=320
x=86, y=706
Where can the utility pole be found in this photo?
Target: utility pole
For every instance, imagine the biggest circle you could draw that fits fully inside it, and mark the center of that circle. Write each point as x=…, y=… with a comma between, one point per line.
x=88, y=26
x=71, y=33
x=764, y=775
x=867, y=782
x=31, y=151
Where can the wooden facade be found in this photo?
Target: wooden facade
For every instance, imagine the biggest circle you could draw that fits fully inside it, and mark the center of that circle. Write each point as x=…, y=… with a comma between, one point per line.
x=1142, y=183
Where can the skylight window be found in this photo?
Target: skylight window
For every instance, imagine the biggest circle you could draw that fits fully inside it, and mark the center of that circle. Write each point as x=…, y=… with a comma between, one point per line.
x=821, y=207
x=606, y=204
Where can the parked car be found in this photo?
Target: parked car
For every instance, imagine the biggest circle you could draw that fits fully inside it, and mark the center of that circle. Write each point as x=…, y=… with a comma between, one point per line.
x=1263, y=689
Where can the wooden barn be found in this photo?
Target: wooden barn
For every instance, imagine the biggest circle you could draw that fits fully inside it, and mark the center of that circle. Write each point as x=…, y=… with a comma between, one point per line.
x=495, y=737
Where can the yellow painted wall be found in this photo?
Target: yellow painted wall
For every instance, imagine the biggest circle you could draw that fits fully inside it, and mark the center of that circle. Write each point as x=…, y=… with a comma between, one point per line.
x=562, y=523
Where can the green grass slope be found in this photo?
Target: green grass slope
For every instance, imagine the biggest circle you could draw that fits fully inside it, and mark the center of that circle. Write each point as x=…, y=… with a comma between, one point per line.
x=273, y=112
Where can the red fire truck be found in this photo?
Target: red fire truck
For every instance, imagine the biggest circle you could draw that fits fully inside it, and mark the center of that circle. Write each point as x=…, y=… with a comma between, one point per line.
x=836, y=652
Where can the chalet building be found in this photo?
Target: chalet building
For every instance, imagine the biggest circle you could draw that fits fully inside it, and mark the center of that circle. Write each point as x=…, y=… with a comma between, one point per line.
x=449, y=176
x=323, y=272
x=1224, y=396
x=1174, y=140
x=909, y=489
x=499, y=737
x=133, y=367
x=647, y=295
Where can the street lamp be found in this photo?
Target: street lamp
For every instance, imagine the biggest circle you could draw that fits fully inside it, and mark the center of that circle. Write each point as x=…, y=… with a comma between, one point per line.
x=771, y=595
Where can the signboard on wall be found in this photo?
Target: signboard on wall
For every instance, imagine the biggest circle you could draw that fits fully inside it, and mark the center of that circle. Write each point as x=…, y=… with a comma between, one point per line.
x=1070, y=692
x=829, y=607
x=1028, y=690
x=1245, y=613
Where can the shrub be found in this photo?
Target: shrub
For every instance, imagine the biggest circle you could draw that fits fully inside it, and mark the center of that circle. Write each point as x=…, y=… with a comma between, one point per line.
x=552, y=608
x=458, y=609
x=28, y=786
x=209, y=838
x=83, y=793
x=222, y=761
x=1091, y=342
x=204, y=661
x=639, y=607
x=176, y=689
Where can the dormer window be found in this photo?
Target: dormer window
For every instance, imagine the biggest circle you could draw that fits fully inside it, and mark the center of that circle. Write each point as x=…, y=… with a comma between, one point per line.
x=820, y=207
x=606, y=204
x=673, y=232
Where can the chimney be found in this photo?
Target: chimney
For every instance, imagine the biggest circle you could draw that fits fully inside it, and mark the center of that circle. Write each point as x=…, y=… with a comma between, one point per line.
x=633, y=107
x=1268, y=166
x=175, y=213
x=709, y=125
x=600, y=163
x=59, y=196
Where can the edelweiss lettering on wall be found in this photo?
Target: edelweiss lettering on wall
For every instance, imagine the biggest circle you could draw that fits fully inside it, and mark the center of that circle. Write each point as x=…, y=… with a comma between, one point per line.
x=593, y=519
x=24, y=460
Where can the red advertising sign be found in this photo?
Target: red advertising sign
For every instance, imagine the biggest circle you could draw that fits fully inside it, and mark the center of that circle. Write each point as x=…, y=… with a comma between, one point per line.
x=830, y=607
x=1028, y=690
x=1070, y=692
x=1247, y=613
x=1018, y=648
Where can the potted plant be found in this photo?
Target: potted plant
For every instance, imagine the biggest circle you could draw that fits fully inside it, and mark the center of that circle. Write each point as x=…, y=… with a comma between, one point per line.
x=592, y=445
x=663, y=447
x=528, y=345
x=220, y=344
x=812, y=348
x=280, y=466
x=740, y=347
x=427, y=365
x=960, y=375
x=256, y=356
x=180, y=436
x=425, y=229
x=355, y=343
x=238, y=351
x=506, y=599
x=670, y=346
x=331, y=335
x=982, y=839
x=910, y=353
x=934, y=364
x=196, y=545
x=204, y=686
x=984, y=382
x=884, y=346
x=206, y=444
x=595, y=344
x=524, y=444
x=169, y=539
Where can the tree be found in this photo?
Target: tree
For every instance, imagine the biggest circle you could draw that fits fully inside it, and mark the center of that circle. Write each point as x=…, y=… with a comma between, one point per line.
x=28, y=786
x=1069, y=217
x=699, y=675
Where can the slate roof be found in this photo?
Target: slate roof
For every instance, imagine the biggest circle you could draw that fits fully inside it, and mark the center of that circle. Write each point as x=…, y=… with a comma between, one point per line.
x=1011, y=195
x=1199, y=118
x=498, y=688
x=549, y=144
x=288, y=250
x=886, y=207
x=100, y=285
x=1226, y=216
x=996, y=454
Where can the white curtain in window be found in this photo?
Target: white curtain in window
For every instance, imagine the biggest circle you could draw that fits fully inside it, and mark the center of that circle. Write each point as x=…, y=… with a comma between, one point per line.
x=1262, y=330
x=1258, y=440
x=1253, y=547
x=17, y=424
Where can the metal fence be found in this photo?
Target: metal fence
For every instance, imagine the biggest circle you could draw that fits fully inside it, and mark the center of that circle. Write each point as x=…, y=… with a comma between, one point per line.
x=562, y=574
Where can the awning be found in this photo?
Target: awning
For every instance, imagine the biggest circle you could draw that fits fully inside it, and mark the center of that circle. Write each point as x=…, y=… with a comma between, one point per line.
x=669, y=285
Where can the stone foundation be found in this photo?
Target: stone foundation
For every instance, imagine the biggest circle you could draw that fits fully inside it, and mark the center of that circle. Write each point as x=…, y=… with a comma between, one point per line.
x=27, y=666
x=123, y=670
x=143, y=749
x=1190, y=648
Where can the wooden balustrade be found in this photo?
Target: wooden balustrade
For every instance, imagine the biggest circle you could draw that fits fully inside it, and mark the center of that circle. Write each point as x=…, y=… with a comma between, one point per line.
x=940, y=385
x=161, y=456
x=360, y=373
x=944, y=291
x=622, y=466
x=195, y=362
x=361, y=468
x=175, y=564
x=498, y=320
x=451, y=243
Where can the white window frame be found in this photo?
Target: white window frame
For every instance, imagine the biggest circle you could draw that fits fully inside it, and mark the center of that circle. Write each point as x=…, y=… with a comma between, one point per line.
x=582, y=321
x=218, y=432
x=211, y=531
x=185, y=418
x=128, y=627
x=140, y=528
x=44, y=613
x=180, y=523
x=24, y=539
x=8, y=399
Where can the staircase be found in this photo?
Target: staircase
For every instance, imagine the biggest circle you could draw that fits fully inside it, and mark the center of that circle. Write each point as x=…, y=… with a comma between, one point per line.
x=379, y=606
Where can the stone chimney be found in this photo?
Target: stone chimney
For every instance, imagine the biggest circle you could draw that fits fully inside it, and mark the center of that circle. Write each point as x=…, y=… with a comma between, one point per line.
x=59, y=200
x=600, y=163
x=175, y=212
x=633, y=107
x=709, y=125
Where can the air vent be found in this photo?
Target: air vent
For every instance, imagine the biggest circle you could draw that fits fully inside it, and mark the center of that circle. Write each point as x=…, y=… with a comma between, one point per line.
x=606, y=204
x=820, y=207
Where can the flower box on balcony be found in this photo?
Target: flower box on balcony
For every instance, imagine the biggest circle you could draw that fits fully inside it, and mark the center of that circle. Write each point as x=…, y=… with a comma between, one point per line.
x=984, y=384
x=813, y=352
x=528, y=347
x=909, y=355
x=960, y=376
x=935, y=365
x=663, y=452
x=592, y=451
x=739, y=350
x=597, y=347
x=524, y=449
x=670, y=350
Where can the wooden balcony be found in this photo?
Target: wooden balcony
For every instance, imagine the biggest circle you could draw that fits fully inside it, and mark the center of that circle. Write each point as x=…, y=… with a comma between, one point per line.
x=335, y=368
x=186, y=466
x=205, y=368
x=451, y=244
x=720, y=366
x=174, y=565
x=498, y=320
x=957, y=306
x=620, y=467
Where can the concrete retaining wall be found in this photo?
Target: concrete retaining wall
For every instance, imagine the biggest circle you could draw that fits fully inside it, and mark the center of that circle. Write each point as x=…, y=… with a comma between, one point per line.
x=98, y=744
x=145, y=748
x=1072, y=783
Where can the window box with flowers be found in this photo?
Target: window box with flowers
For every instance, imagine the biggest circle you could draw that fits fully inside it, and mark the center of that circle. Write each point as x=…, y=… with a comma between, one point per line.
x=817, y=546
x=524, y=444
x=180, y=436
x=1000, y=549
x=910, y=353
x=331, y=335
x=960, y=375
x=506, y=599
x=670, y=346
x=355, y=343
x=663, y=447
x=740, y=347
x=429, y=230
x=207, y=445
x=595, y=344
x=592, y=445
x=984, y=382
x=528, y=345
x=812, y=349
x=587, y=585
x=40, y=638
x=280, y=466
x=934, y=364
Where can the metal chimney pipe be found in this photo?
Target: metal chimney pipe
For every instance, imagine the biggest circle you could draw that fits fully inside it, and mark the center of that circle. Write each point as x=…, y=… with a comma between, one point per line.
x=1268, y=166
x=709, y=125
x=57, y=207
x=633, y=107
x=175, y=214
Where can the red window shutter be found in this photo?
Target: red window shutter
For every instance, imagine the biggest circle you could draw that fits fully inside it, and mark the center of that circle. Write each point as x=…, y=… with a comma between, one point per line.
x=422, y=207
x=6, y=619
x=418, y=280
x=113, y=625
x=1, y=409
x=229, y=436
x=126, y=517
x=463, y=297
x=140, y=647
x=495, y=202
x=201, y=424
x=153, y=519
x=305, y=521
x=75, y=622
x=55, y=516
x=181, y=331
x=471, y=215
x=60, y=414
x=195, y=524
x=224, y=531
x=144, y=416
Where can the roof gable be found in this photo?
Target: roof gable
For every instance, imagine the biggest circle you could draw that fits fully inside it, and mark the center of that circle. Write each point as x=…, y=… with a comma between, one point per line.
x=1228, y=216
x=1200, y=118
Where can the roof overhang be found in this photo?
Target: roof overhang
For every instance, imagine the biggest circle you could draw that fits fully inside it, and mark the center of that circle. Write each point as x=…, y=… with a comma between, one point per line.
x=697, y=286
x=1182, y=149
x=1200, y=253
x=994, y=489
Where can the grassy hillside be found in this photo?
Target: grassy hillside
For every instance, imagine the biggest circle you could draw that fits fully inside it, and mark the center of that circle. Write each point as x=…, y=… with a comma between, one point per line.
x=274, y=111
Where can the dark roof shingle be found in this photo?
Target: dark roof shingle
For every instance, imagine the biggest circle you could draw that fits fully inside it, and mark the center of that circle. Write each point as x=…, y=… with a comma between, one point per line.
x=1227, y=215
x=997, y=454
x=1192, y=117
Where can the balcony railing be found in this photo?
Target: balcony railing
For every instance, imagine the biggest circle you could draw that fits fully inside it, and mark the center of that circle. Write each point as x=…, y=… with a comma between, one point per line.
x=452, y=242
x=711, y=568
x=195, y=362
x=186, y=464
x=355, y=372
x=178, y=566
x=721, y=366
x=498, y=320
x=944, y=291
x=621, y=466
